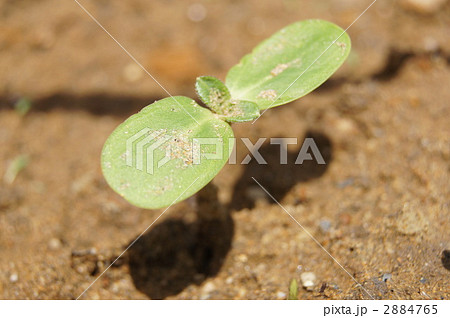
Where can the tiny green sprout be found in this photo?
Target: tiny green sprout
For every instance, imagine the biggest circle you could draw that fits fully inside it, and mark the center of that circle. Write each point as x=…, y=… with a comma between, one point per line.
x=174, y=147
x=293, y=290
x=22, y=106
x=15, y=167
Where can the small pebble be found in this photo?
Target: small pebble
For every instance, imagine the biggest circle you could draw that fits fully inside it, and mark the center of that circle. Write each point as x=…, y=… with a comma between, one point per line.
x=54, y=244
x=242, y=258
x=14, y=277
x=82, y=269
x=229, y=280
x=386, y=277
x=308, y=280
x=423, y=280
x=242, y=293
x=345, y=126
x=325, y=225
x=281, y=295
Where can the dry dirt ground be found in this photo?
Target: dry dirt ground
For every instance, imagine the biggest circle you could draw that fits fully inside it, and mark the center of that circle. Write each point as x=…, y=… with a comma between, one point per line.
x=380, y=206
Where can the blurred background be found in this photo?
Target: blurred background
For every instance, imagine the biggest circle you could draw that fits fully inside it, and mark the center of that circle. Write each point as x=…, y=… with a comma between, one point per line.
x=380, y=206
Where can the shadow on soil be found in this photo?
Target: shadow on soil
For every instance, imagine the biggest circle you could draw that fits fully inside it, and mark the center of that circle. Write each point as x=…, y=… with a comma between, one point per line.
x=175, y=254
x=96, y=104
x=278, y=178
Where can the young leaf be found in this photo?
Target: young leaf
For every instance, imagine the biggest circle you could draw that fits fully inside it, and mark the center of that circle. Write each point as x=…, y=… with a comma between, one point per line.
x=160, y=156
x=265, y=76
x=212, y=92
x=217, y=97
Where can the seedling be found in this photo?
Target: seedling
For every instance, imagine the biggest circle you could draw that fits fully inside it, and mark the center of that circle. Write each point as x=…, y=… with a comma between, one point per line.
x=174, y=147
x=293, y=290
x=22, y=106
x=15, y=167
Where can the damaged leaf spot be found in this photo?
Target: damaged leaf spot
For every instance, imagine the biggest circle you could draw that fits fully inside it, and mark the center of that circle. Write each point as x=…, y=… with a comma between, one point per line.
x=269, y=94
x=279, y=69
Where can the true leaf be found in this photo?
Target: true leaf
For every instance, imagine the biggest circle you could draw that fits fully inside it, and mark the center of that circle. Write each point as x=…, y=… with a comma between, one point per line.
x=160, y=156
x=269, y=76
x=217, y=97
x=212, y=92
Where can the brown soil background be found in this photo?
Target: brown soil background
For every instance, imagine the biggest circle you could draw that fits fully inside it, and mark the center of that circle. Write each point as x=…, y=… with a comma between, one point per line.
x=382, y=122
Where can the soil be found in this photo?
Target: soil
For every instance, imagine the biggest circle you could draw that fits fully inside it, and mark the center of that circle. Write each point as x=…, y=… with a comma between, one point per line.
x=380, y=206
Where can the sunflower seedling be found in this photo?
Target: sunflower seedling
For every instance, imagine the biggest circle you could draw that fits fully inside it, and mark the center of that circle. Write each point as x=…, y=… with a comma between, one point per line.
x=174, y=147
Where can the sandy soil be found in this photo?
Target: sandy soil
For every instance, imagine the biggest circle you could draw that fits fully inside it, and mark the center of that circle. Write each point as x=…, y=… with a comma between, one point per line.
x=380, y=206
